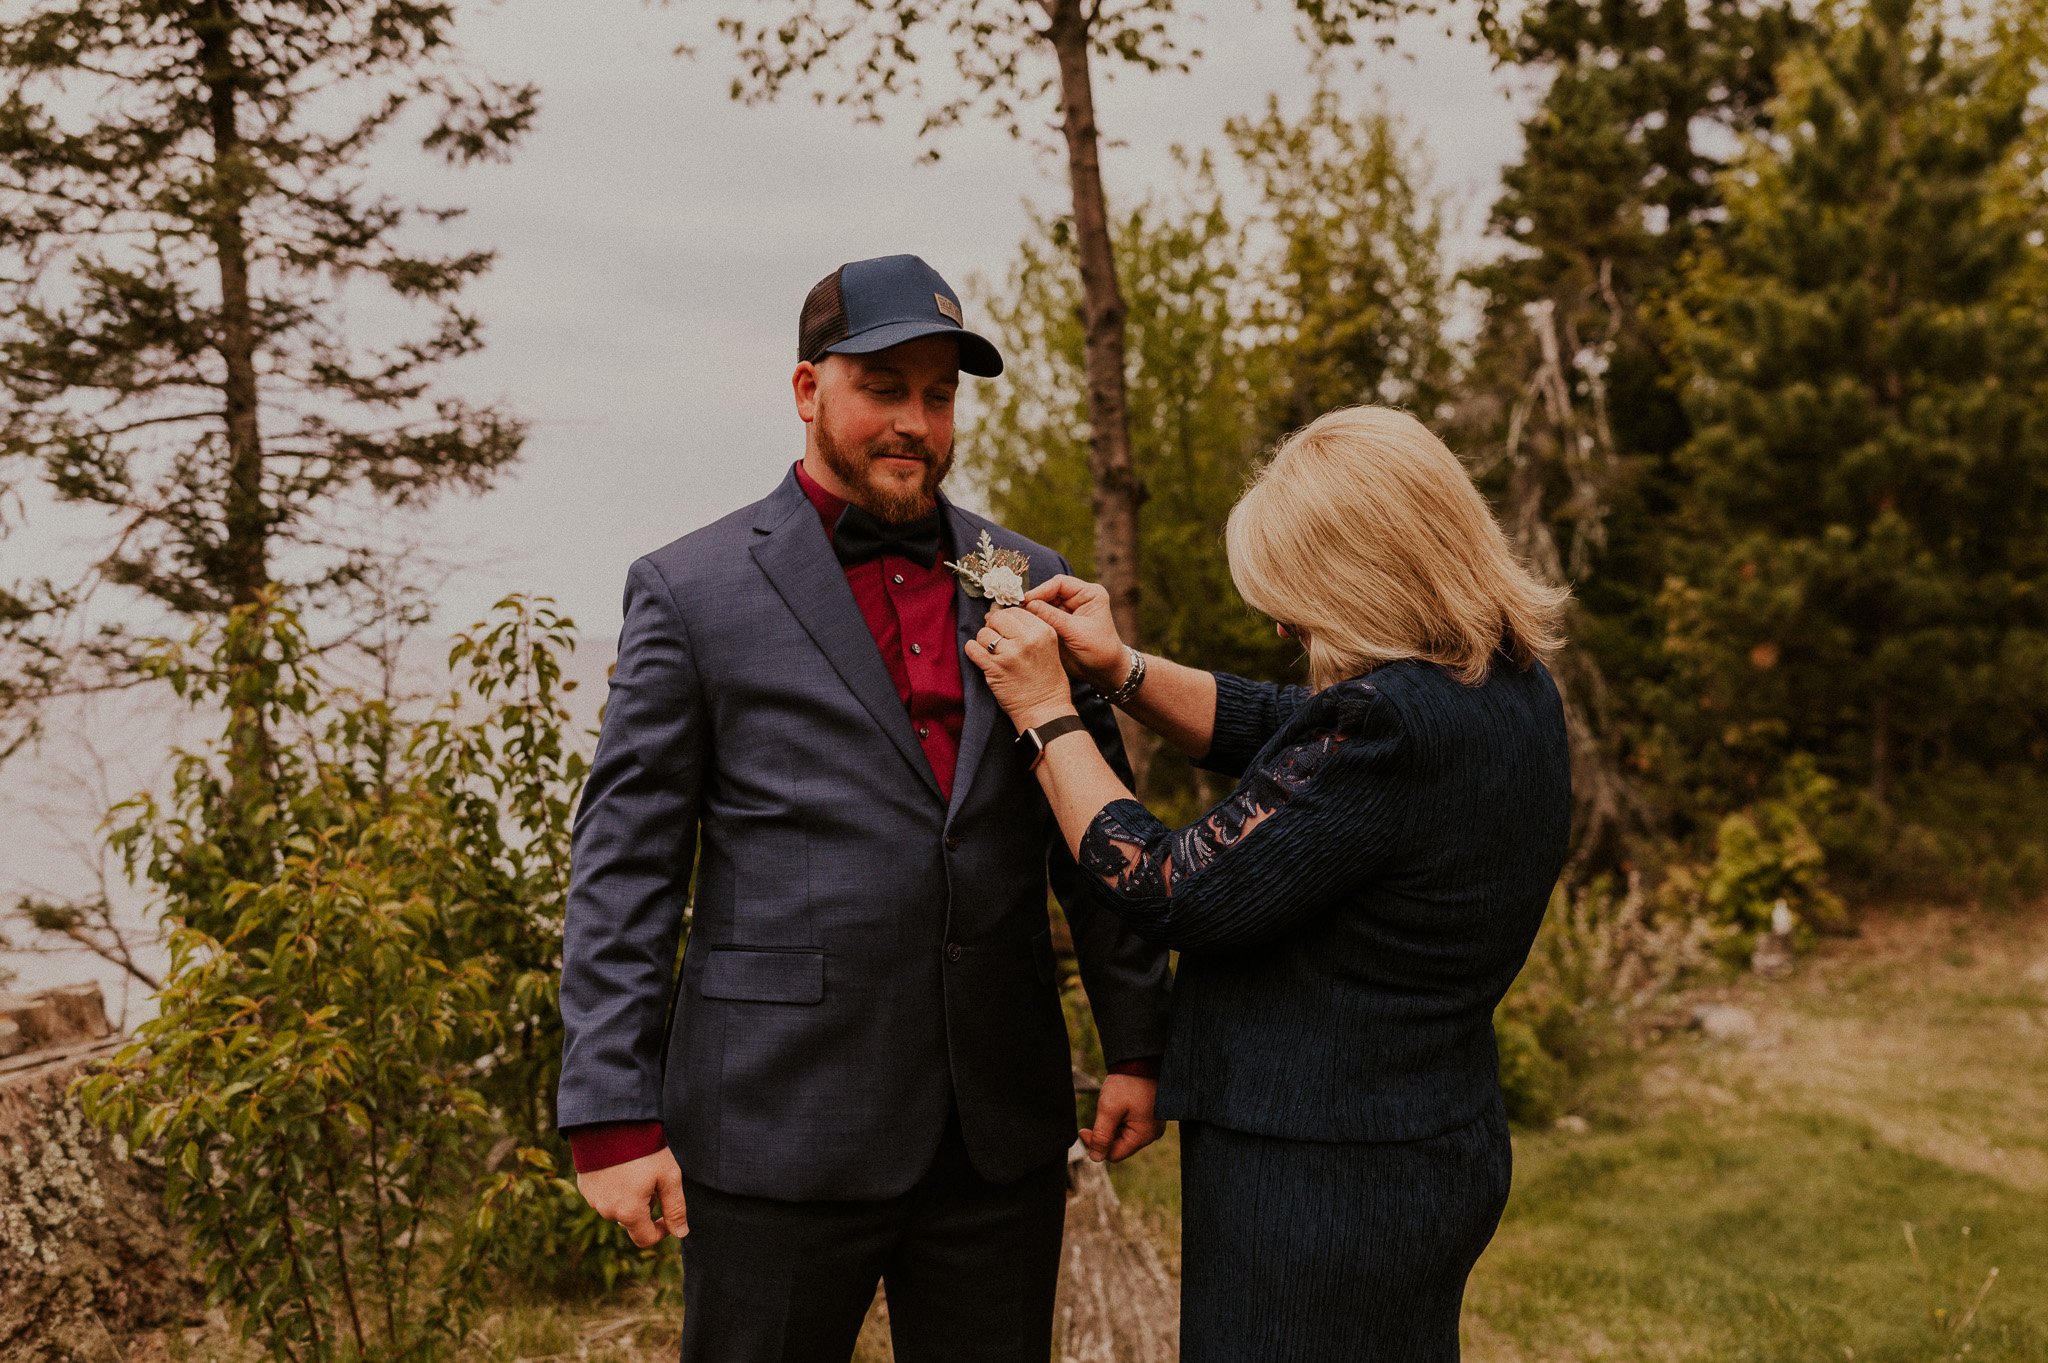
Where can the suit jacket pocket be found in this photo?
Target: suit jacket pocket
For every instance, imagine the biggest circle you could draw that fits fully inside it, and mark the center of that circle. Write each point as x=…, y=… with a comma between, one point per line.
x=763, y=975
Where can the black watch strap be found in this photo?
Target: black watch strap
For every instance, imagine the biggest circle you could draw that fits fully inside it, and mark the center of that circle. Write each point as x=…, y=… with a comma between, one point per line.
x=1033, y=741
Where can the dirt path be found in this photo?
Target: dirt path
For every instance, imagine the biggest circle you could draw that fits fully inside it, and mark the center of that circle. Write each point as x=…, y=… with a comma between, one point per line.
x=1920, y=1028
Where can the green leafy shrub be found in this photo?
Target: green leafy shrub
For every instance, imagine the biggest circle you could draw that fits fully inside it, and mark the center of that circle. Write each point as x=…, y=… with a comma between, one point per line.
x=1531, y=1079
x=306, y=1083
x=351, y=1073
x=1768, y=856
x=1606, y=954
x=1964, y=834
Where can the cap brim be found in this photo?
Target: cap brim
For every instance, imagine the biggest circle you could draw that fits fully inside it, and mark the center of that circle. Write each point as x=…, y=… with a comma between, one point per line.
x=978, y=356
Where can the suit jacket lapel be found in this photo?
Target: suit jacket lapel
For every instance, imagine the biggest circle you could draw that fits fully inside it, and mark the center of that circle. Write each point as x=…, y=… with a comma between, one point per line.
x=979, y=718
x=797, y=559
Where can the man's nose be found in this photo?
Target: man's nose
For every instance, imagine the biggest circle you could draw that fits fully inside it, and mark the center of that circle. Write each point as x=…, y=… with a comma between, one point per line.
x=911, y=420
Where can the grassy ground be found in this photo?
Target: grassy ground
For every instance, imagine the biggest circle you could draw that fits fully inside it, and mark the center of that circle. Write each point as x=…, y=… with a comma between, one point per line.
x=1747, y=1202
x=1754, y=1206
x=1735, y=1202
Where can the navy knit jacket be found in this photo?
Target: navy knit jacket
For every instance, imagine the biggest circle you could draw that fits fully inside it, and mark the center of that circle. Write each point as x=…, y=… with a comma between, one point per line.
x=1349, y=916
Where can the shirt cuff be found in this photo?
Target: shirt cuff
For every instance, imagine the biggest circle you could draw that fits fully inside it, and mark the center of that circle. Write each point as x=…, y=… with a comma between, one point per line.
x=603, y=1144
x=1144, y=1067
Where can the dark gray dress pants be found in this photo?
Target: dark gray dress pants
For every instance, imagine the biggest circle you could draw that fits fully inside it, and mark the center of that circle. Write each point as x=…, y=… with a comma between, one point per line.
x=970, y=1269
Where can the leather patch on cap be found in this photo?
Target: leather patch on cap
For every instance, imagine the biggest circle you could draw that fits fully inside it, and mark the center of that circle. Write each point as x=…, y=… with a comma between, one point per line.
x=949, y=310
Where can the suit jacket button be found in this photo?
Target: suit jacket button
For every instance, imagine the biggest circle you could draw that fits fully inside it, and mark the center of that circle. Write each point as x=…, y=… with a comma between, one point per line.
x=952, y=843
x=952, y=951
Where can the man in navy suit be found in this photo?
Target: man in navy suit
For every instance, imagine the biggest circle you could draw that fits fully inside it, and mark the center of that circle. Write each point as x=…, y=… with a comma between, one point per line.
x=862, y=1073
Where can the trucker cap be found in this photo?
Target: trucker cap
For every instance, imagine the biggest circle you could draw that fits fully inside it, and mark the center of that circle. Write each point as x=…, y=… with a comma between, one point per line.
x=870, y=305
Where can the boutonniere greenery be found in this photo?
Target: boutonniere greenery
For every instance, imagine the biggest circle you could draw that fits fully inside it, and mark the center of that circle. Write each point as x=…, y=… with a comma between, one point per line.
x=999, y=576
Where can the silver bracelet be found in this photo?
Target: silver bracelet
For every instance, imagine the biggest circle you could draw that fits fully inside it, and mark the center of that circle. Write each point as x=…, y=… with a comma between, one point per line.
x=1122, y=695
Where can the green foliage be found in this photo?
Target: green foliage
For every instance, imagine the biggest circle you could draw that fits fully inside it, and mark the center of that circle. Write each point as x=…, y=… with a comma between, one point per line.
x=1566, y=412
x=1863, y=362
x=1769, y=855
x=1971, y=833
x=1330, y=291
x=305, y=1083
x=184, y=206
x=349, y=1076
x=1000, y=53
x=1192, y=442
x=1606, y=955
x=1348, y=301
x=1532, y=1080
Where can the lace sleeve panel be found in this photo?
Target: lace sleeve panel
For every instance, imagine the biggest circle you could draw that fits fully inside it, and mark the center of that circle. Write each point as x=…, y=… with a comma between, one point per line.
x=1304, y=819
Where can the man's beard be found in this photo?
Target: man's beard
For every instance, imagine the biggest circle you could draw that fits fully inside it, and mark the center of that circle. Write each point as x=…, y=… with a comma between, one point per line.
x=855, y=471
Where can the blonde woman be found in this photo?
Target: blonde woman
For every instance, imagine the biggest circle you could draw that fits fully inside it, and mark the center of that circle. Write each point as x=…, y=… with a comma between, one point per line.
x=1349, y=916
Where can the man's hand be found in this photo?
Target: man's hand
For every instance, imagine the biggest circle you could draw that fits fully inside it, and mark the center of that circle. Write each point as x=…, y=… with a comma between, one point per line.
x=1124, y=1123
x=622, y=1193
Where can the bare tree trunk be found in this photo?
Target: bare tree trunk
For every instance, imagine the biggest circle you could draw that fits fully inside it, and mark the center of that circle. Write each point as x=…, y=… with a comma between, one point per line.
x=1609, y=808
x=247, y=521
x=244, y=546
x=1117, y=1302
x=1117, y=489
x=1881, y=754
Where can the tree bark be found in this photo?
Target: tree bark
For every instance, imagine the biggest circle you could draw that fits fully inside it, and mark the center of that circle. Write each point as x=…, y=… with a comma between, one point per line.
x=1608, y=811
x=1117, y=491
x=1881, y=754
x=244, y=569
x=244, y=546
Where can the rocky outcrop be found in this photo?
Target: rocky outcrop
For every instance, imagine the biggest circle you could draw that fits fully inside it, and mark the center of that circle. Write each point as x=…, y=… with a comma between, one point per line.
x=85, y=1256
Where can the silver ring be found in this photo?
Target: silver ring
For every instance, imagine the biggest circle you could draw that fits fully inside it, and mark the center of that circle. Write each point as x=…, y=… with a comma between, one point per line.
x=992, y=647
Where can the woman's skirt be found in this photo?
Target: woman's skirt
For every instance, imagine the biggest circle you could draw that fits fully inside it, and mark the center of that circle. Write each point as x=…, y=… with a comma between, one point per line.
x=1313, y=1252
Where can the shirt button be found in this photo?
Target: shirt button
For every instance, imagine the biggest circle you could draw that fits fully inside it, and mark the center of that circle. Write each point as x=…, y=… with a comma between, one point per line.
x=924, y=731
x=897, y=579
x=952, y=951
x=916, y=649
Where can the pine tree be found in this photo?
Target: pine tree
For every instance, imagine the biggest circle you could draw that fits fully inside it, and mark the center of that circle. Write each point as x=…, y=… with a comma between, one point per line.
x=184, y=199
x=1864, y=360
x=1567, y=412
x=1350, y=295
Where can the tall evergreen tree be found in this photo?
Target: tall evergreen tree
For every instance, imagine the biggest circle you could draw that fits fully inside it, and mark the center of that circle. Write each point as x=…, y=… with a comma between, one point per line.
x=1863, y=362
x=183, y=188
x=1350, y=294
x=1567, y=411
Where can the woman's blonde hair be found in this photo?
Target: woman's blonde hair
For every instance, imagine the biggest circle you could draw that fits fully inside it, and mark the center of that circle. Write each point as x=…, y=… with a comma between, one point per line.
x=1365, y=535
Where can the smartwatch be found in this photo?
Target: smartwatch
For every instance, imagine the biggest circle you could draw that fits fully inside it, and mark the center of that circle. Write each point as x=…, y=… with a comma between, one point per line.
x=1032, y=741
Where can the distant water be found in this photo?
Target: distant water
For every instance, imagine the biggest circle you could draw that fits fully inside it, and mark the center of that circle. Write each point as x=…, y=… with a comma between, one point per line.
x=99, y=750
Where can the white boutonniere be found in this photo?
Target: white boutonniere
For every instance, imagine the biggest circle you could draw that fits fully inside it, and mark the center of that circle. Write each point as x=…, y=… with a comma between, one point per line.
x=1000, y=576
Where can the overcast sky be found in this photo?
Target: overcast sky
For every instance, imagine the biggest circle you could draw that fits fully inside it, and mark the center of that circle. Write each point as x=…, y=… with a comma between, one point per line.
x=655, y=243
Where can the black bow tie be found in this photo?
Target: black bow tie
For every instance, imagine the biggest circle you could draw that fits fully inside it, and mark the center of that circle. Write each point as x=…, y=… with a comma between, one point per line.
x=859, y=538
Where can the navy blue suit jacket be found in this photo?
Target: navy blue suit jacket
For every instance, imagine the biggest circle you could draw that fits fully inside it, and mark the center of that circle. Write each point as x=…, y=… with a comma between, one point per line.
x=862, y=953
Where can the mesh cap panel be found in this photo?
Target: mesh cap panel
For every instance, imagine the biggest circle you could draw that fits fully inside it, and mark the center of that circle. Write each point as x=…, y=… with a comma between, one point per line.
x=823, y=321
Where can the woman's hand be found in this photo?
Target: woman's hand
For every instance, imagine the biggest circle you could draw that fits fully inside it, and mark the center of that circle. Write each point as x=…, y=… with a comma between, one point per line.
x=1019, y=654
x=1078, y=612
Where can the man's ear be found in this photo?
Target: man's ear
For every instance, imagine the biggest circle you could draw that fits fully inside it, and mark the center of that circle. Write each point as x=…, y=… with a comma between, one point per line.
x=804, y=383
